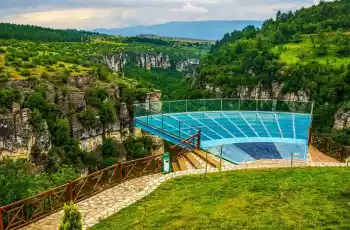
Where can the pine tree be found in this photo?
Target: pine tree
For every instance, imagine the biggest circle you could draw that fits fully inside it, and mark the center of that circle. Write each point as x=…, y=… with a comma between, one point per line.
x=72, y=218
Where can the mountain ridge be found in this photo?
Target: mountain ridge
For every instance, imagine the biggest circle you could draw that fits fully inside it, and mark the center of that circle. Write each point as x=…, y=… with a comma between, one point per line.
x=204, y=30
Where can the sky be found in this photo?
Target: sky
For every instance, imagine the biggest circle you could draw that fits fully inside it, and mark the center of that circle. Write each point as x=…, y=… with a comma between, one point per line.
x=91, y=14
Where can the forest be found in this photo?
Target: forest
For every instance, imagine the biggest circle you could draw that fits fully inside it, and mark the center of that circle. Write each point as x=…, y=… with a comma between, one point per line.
x=306, y=50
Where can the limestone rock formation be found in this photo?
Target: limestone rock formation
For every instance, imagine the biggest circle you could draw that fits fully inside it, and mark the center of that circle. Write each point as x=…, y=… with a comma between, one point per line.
x=342, y=119
x=149, y=60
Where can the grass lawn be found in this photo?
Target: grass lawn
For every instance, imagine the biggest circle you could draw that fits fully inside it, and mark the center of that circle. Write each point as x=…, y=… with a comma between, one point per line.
x=309, y=198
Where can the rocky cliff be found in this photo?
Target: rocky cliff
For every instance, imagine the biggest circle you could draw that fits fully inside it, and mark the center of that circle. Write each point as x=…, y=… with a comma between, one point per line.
x=342, y=119
x=262, y=92
x=116, y=62
x=17, y=137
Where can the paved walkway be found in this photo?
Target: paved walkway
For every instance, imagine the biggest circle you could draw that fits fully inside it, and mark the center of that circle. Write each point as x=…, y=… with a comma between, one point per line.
x=318, y=156
x=114, y=199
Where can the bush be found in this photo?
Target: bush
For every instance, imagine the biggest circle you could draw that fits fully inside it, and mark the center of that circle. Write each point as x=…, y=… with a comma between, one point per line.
x=28, y=65
x=72, y=218
x=25, y=73
x=138, y=147
x=88, y=117
x=108, y=148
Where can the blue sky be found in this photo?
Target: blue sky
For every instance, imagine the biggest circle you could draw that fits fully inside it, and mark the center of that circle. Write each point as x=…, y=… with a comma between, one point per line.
x=90, y=14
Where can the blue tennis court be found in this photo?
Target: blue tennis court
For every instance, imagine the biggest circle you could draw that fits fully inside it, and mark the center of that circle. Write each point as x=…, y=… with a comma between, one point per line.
x=237, y=136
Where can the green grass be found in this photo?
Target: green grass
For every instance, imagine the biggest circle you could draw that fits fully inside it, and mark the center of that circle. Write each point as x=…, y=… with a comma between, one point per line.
x=309, y=198
x=291, y=54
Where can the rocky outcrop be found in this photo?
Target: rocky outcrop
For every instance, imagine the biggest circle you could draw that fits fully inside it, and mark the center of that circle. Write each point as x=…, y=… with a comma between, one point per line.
x=17, y=136
x=116, y=62
x=342, y=119
x=261, y=92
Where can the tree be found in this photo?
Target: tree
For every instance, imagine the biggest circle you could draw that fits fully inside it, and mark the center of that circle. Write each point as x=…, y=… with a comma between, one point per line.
x=72, y=218
x=108, y=148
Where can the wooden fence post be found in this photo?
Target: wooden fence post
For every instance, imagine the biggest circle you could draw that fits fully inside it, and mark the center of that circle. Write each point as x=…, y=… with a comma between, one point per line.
x=70, y=189
x=325, y=147
x=199, y=140
x=310, y=138
x=1, y=220
x=120, y=172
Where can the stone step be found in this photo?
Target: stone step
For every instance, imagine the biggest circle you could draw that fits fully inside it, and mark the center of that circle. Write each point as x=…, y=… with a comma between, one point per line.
x=207, y=157
x=182, y=164
x=194, y=162
x=176, y=167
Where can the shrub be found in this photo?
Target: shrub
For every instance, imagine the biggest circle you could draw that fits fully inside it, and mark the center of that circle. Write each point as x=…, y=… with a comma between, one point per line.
x=28, y=65
x=8, y=96
x=107, y=113
x=138, y=147
x=25, y=73
x=62, y=77
x=72, y=218
x=88, y=117
x=108, y=148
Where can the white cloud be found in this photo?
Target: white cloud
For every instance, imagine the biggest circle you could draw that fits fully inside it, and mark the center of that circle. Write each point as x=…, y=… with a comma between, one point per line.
x=89, y=14
x=189, y=8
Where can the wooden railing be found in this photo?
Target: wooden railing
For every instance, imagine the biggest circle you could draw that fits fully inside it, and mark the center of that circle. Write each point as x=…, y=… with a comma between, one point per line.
x=328, y=147
x=185, y=146
x=29, y=210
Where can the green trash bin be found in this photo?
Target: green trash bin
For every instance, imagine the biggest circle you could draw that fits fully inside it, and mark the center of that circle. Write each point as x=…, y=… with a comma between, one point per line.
x=166, y=167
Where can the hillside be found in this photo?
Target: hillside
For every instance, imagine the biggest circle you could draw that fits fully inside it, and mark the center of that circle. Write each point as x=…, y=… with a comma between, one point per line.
x=66, y=103
x=302, y=55
x=205, y=30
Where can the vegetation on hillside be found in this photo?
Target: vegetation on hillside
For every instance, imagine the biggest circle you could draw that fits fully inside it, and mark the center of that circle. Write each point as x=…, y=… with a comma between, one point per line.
x=306, y=50
x=44, y=70
x=37, y=33
x=309, y=198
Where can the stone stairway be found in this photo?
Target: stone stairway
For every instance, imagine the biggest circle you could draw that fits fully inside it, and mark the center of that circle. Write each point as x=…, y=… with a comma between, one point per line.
x=198, y=159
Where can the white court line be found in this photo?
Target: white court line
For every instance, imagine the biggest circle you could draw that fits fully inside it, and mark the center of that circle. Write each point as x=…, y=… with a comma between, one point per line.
x=239, y=129
x=249, y=125
x=221, y=126
x=206, y=126
x=278, y=124
x=262, y=122
x=189, y=126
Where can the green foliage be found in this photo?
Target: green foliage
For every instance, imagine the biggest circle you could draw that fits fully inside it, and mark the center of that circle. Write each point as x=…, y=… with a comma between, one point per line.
x=109, y=148
x=19, y=179
x=107, y=113
x=342, y=137
x=173, y=84
x=72, y=219
x=36, y=33
x=60, y=132
x=138, y=147
x=9, y=96
x=95, y=96
x=88, y=117
x=297, y=49
x=36, y=120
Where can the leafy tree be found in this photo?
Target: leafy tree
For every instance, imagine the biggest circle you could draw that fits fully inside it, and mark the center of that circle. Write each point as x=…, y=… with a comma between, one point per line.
x=138, y=147
x=108, y=148
x=88, y=117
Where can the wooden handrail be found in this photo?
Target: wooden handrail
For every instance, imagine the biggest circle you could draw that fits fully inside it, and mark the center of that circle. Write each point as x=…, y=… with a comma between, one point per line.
x=328, y=147
x=23, y=212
